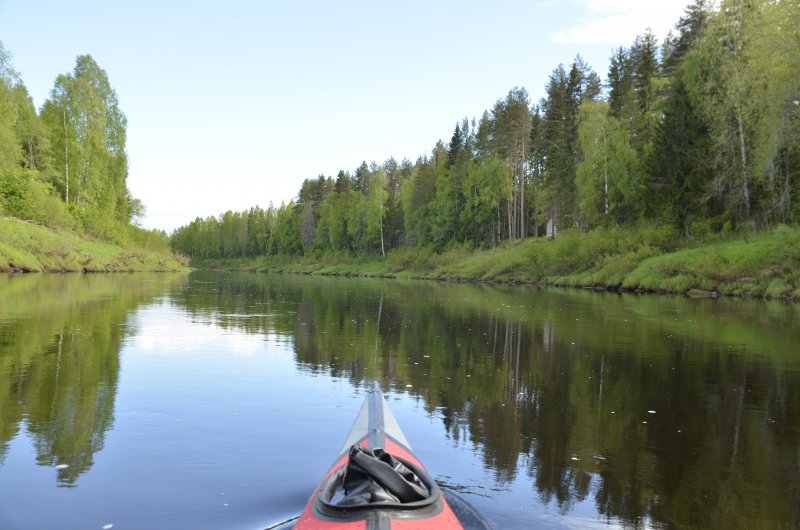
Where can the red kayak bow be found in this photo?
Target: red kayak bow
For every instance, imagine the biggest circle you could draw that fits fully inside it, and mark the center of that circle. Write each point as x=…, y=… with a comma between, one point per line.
x=377, y=483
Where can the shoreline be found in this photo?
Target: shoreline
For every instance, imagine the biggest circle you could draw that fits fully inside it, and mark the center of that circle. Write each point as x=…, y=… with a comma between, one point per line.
x=760, y=266
x=693, y=293
x=30, y=248
x=747, y=266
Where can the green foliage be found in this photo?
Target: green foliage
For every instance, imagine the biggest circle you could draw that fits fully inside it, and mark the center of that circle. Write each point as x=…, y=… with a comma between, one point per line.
x=356, y=222
x=755, y=266
x=607, y=163
x=614, y=268
x=744, y=77
x=487, y=186
x=677, y=171
x=287, y=233
x=24, y=196
x=80, y=134
x=447, y=203
x=332, y=228
x=88, y=133
x=697, y=138
x=376, y=209
x=786, y=248
x=416, y=196
x=15, y=193
x=642, y=258
x=26, y=246
x=609, y=249
x=704, y=137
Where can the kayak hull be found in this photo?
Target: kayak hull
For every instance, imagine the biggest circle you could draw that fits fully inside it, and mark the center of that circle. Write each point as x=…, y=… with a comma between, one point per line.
x=376, y=427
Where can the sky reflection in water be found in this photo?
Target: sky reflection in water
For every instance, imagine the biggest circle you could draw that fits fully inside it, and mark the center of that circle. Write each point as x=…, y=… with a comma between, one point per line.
x=218, y=400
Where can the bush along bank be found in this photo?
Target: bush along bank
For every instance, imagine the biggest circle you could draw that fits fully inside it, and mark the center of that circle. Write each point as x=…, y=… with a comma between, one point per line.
x=651, y=259
x=26, y=247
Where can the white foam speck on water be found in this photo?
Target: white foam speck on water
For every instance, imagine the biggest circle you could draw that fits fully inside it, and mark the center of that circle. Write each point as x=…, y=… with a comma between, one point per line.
x=408, y=386
x=651, y=412
x=62, y=466
x=108, y=526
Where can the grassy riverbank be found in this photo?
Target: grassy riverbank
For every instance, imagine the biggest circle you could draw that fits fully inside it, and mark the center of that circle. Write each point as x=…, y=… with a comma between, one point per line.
x=650, y=259
x=27, y=247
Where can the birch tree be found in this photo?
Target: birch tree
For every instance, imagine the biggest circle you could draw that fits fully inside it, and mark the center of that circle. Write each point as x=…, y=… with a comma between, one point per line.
x=377, y=205
x=603, y=180
x=88, y=134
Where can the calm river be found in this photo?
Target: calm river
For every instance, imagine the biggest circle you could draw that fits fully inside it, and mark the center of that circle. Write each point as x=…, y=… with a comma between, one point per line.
x=217, y=401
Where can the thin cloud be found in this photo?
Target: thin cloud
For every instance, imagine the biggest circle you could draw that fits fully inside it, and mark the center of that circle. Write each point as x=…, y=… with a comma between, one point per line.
x=619, y=21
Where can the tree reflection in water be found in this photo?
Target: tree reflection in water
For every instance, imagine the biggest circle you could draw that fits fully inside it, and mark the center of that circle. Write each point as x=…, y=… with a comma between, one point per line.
x=60, y=339
x=658, y=409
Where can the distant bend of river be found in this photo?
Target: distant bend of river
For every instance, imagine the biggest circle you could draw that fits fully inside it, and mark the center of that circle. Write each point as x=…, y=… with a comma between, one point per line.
x=218, y=400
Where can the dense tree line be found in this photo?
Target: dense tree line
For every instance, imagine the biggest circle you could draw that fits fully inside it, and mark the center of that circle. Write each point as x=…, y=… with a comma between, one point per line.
x=700, y=131
x=66, y=165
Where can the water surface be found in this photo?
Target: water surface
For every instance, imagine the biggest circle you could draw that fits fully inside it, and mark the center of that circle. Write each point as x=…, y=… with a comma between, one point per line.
x=218, y=400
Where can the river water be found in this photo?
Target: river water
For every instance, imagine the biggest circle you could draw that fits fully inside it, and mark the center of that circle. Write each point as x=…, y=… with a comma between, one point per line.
x=217, y=401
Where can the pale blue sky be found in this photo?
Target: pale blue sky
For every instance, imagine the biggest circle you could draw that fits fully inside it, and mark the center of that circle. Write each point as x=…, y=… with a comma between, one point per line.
x=233, y=104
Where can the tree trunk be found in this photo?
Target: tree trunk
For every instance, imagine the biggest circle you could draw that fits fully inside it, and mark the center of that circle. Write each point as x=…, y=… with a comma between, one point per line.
x=66, y=159
x=509, y=209
x=535, y=214
x=745, y=187
x=383, y=251
x=740, y=123
x=31, y=154
x=605, y=171
x=522, y=227
x=787, y=188
x=80, y=178
x=497, y=239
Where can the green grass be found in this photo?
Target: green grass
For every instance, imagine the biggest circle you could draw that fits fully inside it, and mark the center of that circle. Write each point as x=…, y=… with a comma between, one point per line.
x=27, y=247
x=651, y=259
x=766, y=265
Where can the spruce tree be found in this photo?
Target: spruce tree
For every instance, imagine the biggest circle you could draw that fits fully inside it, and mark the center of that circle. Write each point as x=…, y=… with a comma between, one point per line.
x=455, y=146
x=677, y=175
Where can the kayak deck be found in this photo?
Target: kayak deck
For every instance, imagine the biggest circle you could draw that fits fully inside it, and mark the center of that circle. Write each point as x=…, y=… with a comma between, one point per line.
x=374, y=445
x=375, y=421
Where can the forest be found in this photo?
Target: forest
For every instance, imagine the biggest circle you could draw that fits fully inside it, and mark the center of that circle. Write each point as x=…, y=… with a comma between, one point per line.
x=698, y=133
x=66, y=165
